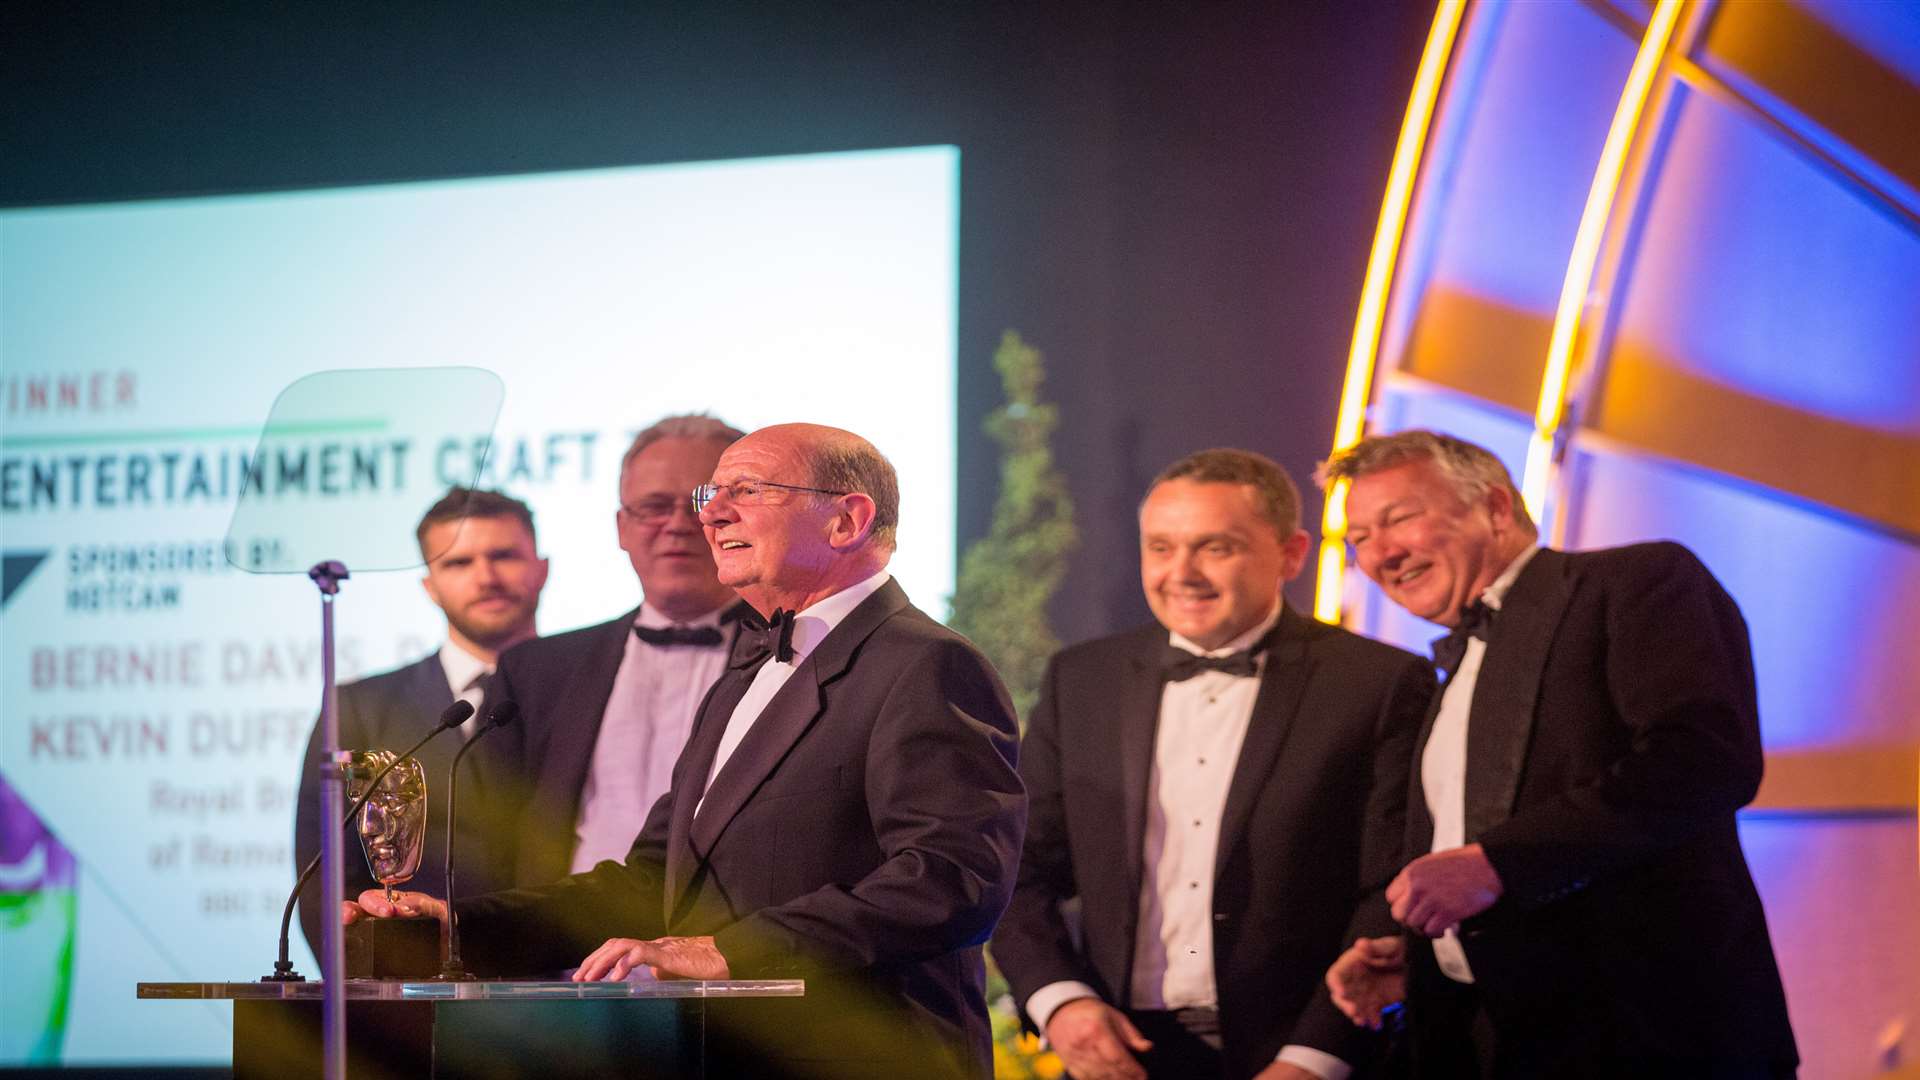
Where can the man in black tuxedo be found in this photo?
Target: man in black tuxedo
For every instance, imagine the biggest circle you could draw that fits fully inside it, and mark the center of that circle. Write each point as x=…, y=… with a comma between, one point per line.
x=484, y=573
x=606, y=709
x=1218, y=790
x=1580, y=906
x=847, y=810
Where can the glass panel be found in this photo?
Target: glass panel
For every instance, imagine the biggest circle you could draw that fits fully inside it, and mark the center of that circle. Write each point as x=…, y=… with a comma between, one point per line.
x=343, y=471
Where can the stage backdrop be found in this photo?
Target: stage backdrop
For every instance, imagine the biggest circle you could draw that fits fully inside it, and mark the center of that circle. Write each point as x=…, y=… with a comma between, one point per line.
x=156, y=700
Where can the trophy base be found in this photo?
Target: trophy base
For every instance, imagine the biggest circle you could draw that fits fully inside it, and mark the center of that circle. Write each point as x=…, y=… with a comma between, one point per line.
x=393, y=948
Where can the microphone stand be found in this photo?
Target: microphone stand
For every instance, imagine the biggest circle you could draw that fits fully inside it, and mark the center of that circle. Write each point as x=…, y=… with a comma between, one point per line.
x=455, y=715
x=451, y=969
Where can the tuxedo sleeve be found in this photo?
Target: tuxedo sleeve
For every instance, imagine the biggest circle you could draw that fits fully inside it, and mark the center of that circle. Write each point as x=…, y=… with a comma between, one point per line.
x=1676, y=666
x=1396, y=728
x=548, y=928
x=1032, y=945
x=947, y=810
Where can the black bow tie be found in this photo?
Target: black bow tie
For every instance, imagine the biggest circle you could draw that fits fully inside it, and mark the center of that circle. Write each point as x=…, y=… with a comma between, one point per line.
x=1475, y=622
x=670, y=636
x=1180, y=665
x=760, y=638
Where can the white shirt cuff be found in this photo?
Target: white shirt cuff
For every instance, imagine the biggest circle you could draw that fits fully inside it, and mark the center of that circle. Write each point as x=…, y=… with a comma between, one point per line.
x=1044, y=1001
x=1318, y=1062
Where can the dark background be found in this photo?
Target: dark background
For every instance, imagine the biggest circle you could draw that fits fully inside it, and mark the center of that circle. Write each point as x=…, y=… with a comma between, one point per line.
x=1173, y=202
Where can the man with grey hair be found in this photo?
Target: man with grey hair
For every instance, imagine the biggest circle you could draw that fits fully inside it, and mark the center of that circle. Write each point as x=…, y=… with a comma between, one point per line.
x=1218, y=790
x=607, y=708
x=1579, y=906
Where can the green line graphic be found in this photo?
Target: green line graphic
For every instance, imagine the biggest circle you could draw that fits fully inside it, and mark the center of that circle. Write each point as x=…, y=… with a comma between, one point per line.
x=368, y=426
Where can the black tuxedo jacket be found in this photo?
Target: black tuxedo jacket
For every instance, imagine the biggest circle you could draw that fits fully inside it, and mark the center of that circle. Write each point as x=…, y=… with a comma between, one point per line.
x=391, y=712
x=863, y=836
x=563, y=684
x=1613, y=733
x=1313, y=824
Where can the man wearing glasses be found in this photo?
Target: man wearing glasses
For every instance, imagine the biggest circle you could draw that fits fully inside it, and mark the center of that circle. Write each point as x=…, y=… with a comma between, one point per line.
x=847, y=810
x=607, y=708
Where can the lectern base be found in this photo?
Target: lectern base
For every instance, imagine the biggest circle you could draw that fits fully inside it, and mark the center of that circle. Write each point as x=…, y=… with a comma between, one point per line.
x=280, y=1040
x=547, y=1030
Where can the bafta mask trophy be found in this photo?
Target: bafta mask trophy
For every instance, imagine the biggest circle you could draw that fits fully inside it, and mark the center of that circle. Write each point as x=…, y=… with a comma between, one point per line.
x=393, y=823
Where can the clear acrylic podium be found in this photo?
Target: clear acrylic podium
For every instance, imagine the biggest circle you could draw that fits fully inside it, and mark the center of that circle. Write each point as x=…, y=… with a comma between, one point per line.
x=479, y=1029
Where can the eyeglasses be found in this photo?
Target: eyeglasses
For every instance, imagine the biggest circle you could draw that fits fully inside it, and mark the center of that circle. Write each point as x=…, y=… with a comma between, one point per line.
x=748, y=491
x=655, y=510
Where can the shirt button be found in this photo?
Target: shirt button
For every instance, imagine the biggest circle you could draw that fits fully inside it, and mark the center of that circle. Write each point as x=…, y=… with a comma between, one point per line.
x=1193, y=884
x=1203, y=761
x=1196, y=823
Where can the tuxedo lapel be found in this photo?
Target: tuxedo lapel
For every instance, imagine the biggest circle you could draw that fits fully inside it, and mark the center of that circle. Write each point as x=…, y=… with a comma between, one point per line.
x=1282, y=682
x=1500, y=722
x=781, y=724
x=1138, y=717
x=569, y=750
x=1419, y=820
x=773, y=733
x=690, y=775
x=426, y=693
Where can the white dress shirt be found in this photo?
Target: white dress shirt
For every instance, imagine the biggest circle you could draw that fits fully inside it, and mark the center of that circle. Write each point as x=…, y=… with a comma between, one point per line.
x=1443, y=765
x=810, y=626
x=1196, y=746
x=466, y=679
x=656, y=691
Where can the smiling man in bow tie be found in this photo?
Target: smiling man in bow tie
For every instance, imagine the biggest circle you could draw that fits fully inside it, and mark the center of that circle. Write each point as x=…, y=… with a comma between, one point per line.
x=1579, y=905
x=1218, y=790
x=846, y=811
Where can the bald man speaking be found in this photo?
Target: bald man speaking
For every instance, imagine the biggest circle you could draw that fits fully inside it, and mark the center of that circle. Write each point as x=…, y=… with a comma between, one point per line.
x=846, y=811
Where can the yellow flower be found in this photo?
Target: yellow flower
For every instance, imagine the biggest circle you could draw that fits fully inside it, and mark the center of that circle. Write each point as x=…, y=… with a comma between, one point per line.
x=1028, y=1042
x=1048, y=1066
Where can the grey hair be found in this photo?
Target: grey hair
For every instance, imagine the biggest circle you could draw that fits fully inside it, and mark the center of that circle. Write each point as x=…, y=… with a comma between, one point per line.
x=852, y=464
x=688, y=426
x=1470, y=470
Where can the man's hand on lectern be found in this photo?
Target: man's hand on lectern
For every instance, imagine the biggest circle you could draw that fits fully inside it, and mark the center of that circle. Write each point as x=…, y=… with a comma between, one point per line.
x=669, y=957
x=373, y=904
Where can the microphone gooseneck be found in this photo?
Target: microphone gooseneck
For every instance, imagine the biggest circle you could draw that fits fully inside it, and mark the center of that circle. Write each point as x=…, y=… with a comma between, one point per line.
x=452, y=717
x=499, y=715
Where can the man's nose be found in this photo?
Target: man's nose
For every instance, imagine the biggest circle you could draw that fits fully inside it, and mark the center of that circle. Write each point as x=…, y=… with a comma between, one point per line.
x=718, y=510
x=1382, y=554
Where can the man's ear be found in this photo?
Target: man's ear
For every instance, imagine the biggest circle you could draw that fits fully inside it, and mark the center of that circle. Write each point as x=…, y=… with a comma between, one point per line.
x=1500, y=508
x=1293, y=554
x=852, y=521
x=433, y=594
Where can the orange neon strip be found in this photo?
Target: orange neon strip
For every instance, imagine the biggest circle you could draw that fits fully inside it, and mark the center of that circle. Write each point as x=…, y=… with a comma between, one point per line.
x=1357, y=390
x=1627, y=117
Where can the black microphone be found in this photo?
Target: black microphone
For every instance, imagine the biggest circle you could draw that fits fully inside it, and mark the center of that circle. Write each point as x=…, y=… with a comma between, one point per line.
x=499, y=715
x=452, y=717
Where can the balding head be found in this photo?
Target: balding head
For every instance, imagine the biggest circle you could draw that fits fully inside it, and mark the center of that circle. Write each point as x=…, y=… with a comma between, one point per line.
x=803, y=511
